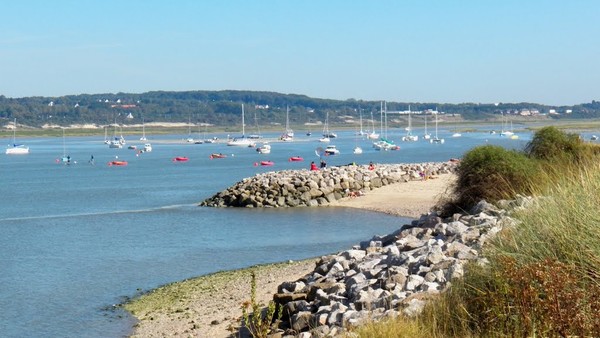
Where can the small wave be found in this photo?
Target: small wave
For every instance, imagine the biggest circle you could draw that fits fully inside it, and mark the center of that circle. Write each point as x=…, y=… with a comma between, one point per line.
x=100, y=213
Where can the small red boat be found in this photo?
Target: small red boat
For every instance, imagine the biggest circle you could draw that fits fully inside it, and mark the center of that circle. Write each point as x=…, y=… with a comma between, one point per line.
x=180, y=159
x=219, y=155
x=295, y=159
x=264, y=163
x=121, y=163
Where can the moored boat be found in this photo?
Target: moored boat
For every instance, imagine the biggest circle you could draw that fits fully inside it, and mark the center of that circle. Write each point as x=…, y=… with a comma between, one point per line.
x=215, y=155
x=14, y=148
x=264, y=163
x=264, y=149
x=180, y=159
x=296, y=159
x=331, y=150
x=117, y=163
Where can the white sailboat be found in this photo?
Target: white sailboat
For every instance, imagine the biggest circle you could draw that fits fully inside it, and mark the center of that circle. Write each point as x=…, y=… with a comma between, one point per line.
x=456, y=133
x=116, y=141
x=208, y=140
x=505, y=131
x=257, y=135
x=384, y=143
x=65, y=159
x=426, y=135
x=409, y=137
x=288, y=134
x=373, y=135
x=106, y=140
x=361, y=132
x=143, y=138
x=326, y=132
x=15, y=148
x=436, y=139
x=242, y=141
x=190, y=139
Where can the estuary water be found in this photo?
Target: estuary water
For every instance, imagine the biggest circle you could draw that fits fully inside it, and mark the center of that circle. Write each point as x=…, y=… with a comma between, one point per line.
x=76, y=239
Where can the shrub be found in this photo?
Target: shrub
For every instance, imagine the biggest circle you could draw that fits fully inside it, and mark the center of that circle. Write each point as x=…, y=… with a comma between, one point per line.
x=492, y=173
x=550, y=143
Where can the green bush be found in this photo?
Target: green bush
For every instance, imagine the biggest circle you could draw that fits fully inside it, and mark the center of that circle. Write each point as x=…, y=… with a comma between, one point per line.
x=550, y=143
x=492, y=173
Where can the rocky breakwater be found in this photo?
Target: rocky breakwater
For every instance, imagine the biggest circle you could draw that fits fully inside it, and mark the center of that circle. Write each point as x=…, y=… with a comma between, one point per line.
x=391, y=274
x=293, y=188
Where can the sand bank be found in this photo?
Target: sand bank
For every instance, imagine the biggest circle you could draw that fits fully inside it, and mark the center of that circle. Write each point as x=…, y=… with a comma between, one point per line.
x=209, y=306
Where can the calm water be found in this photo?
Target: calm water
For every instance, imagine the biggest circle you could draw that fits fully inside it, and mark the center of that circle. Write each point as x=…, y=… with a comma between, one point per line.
x=76, y=239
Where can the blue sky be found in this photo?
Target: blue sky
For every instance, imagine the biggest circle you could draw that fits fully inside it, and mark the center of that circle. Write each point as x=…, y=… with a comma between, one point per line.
x=411, y=51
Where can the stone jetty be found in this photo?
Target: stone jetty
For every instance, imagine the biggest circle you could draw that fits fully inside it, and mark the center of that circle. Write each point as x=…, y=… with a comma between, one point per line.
x=390, y=274
x=295, y=188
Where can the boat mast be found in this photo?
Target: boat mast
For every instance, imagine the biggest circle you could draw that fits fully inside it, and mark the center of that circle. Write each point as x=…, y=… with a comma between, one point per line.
x=243, y=124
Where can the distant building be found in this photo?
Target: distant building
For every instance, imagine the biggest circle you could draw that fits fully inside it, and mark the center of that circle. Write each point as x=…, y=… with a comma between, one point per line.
x=51, y=104
x=568, y=111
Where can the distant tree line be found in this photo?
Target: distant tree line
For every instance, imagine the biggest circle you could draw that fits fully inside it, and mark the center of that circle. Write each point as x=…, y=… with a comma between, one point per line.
x=223, y=108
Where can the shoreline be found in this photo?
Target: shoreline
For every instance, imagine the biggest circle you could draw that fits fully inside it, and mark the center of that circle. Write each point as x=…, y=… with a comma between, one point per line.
x=209, y=305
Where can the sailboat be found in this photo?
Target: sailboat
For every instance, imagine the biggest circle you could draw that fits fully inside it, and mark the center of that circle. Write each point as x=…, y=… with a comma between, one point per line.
x=384, y=143
x=65, y=159
x=257, y=135
x=208, y=140
x=409, y=136
x=106, y=140
x=373, y=135
x=143, y=138
x=361, y=132
x=242, y=141
x=456, y=133
x=16, y=149
x=436, y=139
x=426, y=135
x=190, y=139
x=326, y=134
x=288, y=135
x=504, y=131
x=116, y=141
x=357, y=148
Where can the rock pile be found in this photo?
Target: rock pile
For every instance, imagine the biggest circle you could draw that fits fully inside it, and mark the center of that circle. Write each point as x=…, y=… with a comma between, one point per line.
x=293, y=188
x=389, y=274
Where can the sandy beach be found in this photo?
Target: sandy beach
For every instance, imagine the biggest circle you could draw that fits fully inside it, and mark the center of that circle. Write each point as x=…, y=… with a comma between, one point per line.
x=209, y=306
